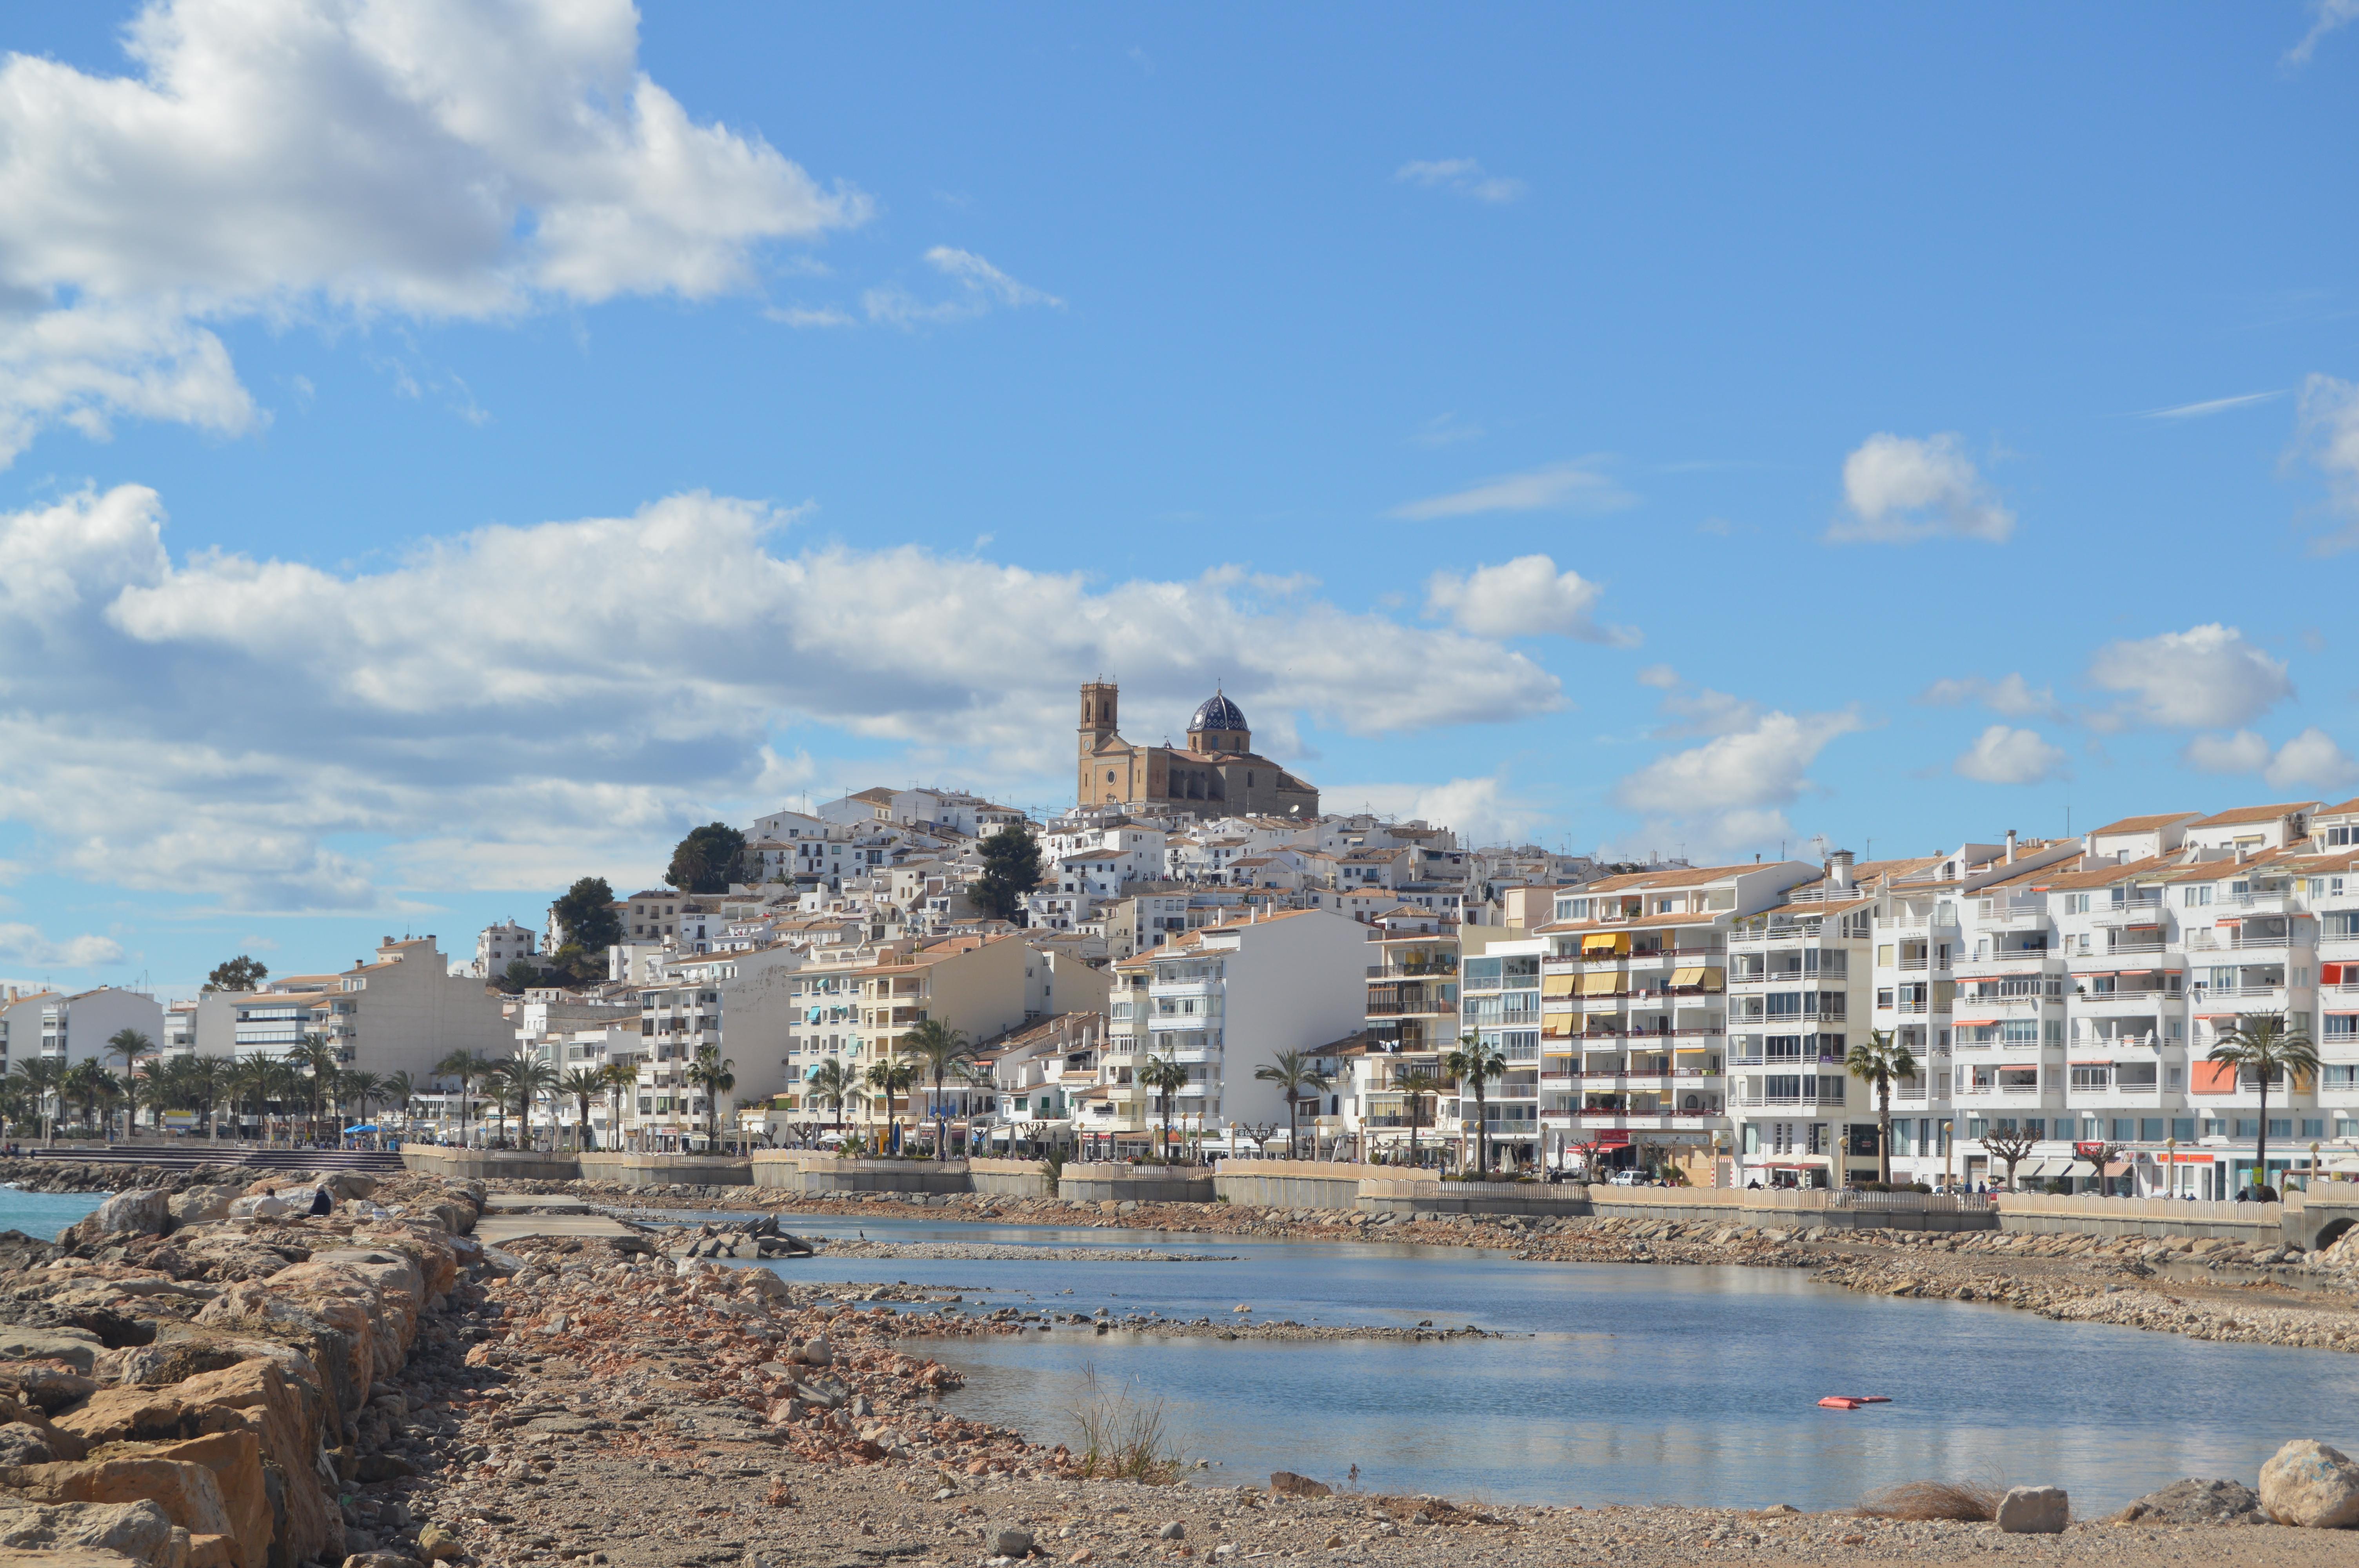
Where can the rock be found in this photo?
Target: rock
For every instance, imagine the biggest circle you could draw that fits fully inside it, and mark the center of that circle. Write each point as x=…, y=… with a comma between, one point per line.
x=143, y=1213
x=1175, y=1530
x=2194, y=1501
x=140, y=1531
x=259, y=1207
x=816, y=1352
x=201, y=1205
x=236, y=1460
x=438, y=1545
x=76, y=1348
x=2308, y=1484
x=381, y=1560
x=21, y=1443
x=186, y=1493
x=1294, y=1486
x=1009, y=1540
x=2034, y=1510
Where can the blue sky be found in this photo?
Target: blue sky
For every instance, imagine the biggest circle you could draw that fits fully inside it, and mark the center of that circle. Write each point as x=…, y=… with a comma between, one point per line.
x=453, y=449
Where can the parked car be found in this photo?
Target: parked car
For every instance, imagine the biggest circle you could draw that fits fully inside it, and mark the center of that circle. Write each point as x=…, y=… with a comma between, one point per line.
x=1630, y=1179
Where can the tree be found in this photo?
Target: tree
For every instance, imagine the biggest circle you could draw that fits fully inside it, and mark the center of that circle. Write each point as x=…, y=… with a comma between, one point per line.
x=711, y=1072
x=2012, y=1148
x=1878, y=1060
x=585, y=916
x=251, y=1079
x=44, y=1080
x=2099, y=1156
x=889, y=1078
x=318, y=1059
x=88, y=1084
x=239, y=974
x=708, y=860
x=398, y=1090
x=581, y=1084
x=1591, y=1151
x=130, y=1045
x=2265, y=1047
x=619, y=1078
x=1416, y=1088
x=469, y=1069
x=517, y=1083
x=1474, y=1065
x=522, y=974
x=1299, y=1078
x=1011, y=867
x=832, y=1081
x=1166, y=1077
x=938, y=1052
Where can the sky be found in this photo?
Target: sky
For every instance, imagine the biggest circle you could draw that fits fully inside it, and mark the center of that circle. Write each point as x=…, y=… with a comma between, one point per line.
x=453, y=449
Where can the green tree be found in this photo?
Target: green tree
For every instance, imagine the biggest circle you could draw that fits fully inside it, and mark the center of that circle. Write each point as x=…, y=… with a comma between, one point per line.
x=1879, y=1060
x=44, y=1080
x=239, y=974
x=130, y=1045
x=252, y=1081
x=1011, y=867
x=890, y=1078
x=1416, y=1088
x=581, y=1084
x=708, y=860
x=832, y=1081
x=88, y=1084
x=1299, y=1077
x=939, y=1053
x=711, y=1072
x=1474, y=1065
x=586, y=918
x=620, y=1079
x=317, y=1058
x=521, y=974
x=519, y=1084
x=470, y=1070
x=1166, y=1078
x=2266, y=1048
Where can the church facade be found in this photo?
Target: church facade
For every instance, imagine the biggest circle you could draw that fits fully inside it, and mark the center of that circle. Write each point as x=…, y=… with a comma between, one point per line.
x=1218, y=773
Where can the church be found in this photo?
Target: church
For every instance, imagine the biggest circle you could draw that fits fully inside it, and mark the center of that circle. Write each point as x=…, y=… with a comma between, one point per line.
x=1217, y=775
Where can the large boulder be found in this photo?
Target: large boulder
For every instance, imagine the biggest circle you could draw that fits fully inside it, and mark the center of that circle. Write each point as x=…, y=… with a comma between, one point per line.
x=201, y=1206
x=236, y=1460
x=78, y=1348
x=2194, y=1501
x=186, y=1493
x=137, y=1531
x=2034, y=1510
x=144, y=1213
x=260, y=1205
x=2308, y=1484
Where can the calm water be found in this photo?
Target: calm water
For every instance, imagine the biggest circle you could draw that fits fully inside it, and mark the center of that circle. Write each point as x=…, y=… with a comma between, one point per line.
x=1637, y=1384
x=43, y=1214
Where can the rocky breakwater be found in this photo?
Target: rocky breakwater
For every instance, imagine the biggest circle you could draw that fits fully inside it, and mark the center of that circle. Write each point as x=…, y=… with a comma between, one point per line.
x=205, y=1379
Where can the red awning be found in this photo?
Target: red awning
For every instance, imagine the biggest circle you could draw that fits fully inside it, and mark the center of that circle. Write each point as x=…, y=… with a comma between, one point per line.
x=1975, y=1023
x=2095, y=1062
x=2128, y=972
x=2018, y=1066
x=2098, y=974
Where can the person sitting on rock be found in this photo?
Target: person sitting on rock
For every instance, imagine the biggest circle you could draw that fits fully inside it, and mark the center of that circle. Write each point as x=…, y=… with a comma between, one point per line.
x=322, y=1203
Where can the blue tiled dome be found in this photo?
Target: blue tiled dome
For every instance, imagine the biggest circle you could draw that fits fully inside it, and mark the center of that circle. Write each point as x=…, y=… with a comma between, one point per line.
x=1218, y=713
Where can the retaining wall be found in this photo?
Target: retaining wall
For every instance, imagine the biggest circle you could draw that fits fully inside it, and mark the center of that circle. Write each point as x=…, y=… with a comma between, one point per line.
x=1136, y=1183
x=491, y=1165
x=1291, y=1184
x=801, y=1171
x=1410, y=1196
x=667, y=1170
x=1010, y=1178
x=2041, y=1214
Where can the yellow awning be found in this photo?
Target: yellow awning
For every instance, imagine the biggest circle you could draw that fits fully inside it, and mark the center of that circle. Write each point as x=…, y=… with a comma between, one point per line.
x=1713, y=979
x=1603, y=983
x=1605, y=942
x=1558, y=1026
x=1558, y=985
x=1687, y=975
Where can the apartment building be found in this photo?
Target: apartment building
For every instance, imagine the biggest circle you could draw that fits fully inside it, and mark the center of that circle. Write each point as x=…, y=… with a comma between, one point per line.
x=740, y=1004
x=497, y=947
x=74, y=1027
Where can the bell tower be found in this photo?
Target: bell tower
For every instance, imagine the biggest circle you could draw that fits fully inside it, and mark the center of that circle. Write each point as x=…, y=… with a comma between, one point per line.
x=1106, y=763
x=1099, y=698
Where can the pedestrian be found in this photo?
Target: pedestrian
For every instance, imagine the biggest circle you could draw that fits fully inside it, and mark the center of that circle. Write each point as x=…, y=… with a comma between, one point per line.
x=322, y=1203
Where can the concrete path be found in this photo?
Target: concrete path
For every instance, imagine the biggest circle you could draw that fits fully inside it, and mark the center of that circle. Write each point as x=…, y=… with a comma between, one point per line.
x=512, y=1216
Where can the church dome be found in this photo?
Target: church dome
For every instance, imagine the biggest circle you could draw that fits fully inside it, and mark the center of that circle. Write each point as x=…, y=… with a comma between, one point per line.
x=1218, y=713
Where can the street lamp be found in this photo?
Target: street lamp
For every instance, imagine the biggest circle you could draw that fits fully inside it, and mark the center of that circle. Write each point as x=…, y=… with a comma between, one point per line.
x=2170, y=1159
x=1949, y=1155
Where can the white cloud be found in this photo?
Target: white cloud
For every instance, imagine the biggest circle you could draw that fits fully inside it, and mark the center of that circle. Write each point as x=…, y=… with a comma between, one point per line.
x=2311, y=760
x=1481, y=810
x=2210, y=406
x=2002, y=755
x=2326, y=17
x=1903, y=489
x=1527, y=597
x=1729, y=794
x=231, y=727
x=347, y=159
x=2328, y=435
x=1662, y=677
x=2010, y=694
x=22, y=943
x=982, y=287
x=2206, y=677
x=1559, y=487
x=1462, y=174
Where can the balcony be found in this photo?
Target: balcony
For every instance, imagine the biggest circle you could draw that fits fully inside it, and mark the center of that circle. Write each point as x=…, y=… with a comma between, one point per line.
x=2207, y=939
x=1448, y=970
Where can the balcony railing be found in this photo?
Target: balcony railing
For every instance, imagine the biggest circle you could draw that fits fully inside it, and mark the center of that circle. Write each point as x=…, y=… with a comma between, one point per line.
x=2202, y=940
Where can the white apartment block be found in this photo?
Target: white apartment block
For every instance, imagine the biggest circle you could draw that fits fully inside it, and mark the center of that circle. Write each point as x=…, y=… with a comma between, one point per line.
x=497, y=947
x=74, y=1028
x=741, y=1005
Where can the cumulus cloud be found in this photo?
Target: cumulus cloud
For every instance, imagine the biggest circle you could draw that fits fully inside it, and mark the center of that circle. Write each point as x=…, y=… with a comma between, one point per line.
x=1482, y=810
x=2328, y=436
x=231, y=726
x=2010, y=694
x=1579, y=486
x=980, y=287
x=21, y=944
x=346, y=159
x=1730, y=793
x=2206, y=677
x=2004, y=755
x=1527, y=597
x=1902, y=488
x=1462, y=176
x=2311, y=760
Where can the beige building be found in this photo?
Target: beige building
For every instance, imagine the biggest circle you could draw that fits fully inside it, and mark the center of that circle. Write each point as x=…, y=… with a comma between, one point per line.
x=1218, y=773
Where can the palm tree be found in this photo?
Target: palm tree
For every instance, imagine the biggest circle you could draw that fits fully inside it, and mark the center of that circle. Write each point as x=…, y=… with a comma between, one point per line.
x=1878, y=1060
x=1475, y=1065
x=832, y=1081
x=1294, y=1073
x=251, y=1078
x=619, y=1078
x=44, y=1079
x=1167, y=1078
x=15, y=1099
x=203, y=1080
x=710, y=1072
x=581, y=1084
x=891, y=1077
x=90, y=1085
x=397, y=1091
x=519, y=1084
x=130, y=1045
x=2265, y=1046
x=938, y=1052
x=318, y=1059
x=1416, y=1087
x=469, y=1069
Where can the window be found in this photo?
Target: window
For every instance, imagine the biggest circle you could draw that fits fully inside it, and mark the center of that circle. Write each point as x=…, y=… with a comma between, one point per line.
x=2125, y=1129
x=2195, y=897
x=2281, y=1126
x=2137, y=1076
x=2313, y=1127
x=2150, y=1130
x=2091, y=1075
x=2183, y=1129
x=2076, y=903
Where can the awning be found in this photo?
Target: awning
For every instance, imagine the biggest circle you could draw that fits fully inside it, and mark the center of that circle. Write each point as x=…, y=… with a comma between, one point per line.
x=2092, y=1061
x=1558, y=1026
x=2212, y=1078
x=1690, y=975
x=2097, y=974
x=1605, y=942
x=1604, y=982
x=1714, y=979
x=1975, y=1023
x=2018, y=1066
x=1559, y=985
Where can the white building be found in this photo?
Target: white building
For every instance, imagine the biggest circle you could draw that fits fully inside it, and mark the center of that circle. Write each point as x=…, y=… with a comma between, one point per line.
x=497, y=947
x=74, y=1028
